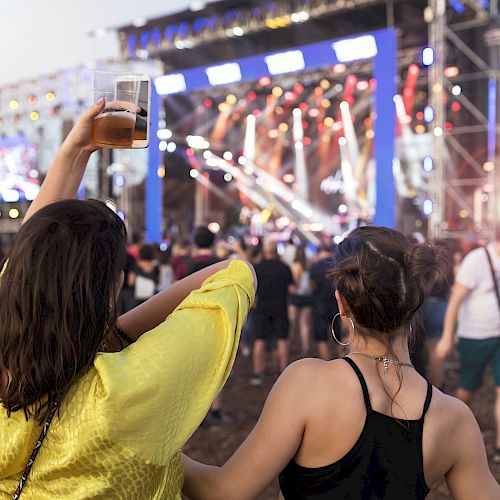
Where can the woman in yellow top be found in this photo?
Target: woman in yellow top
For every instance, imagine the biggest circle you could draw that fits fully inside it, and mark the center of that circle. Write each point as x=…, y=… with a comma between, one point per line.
x=122, y=403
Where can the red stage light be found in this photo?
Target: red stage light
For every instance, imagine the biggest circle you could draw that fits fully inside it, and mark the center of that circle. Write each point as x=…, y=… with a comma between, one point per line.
x=367, y=121
x=339, y=68
x=321, y=127
x=290, y=96
x=413, y=69
x=451, y=72
x=448, y=125
x=314, y=112
x=373, y=83
x=305, y=124
x=351, y=80
x=303, y=106
x=420, y=115
x=318, y=91
x=256, y=112
x=307, y=141
x=299, y=88
x=251, y=95
x=456, y=106
x=31, y=99
x=208, y=103
x=264, y=81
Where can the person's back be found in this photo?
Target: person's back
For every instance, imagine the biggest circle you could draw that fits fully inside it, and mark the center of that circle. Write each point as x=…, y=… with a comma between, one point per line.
x=368, y=426
x=93, y=405
x=355, y=448
x=274, y=279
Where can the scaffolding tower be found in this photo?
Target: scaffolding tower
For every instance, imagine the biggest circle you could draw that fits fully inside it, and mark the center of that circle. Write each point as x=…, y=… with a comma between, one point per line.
x=465, y=177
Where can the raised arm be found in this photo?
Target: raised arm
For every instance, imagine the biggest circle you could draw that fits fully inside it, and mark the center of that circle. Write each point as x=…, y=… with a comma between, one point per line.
x=67, y=169
x=149, y=315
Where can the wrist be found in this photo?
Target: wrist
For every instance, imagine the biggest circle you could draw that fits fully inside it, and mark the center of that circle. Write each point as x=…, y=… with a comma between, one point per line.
x=448, y=336
x=73, y=150
x=74, y=158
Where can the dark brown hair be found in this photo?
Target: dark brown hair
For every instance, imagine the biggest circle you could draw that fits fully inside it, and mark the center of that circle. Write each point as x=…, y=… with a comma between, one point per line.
x=57, y=300
x=384, y=279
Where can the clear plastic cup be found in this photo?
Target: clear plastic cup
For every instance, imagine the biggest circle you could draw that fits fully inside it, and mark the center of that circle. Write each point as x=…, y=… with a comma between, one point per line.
x=114, y=127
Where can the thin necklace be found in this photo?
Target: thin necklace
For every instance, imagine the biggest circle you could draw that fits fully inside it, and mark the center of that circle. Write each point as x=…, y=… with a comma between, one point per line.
x=384, y=360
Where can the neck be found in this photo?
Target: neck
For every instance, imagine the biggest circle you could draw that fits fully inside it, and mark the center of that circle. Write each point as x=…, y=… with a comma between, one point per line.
x=203, y=251
x=373, y=347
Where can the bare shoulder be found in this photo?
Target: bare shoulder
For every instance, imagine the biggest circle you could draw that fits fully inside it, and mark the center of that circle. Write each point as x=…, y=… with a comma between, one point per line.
x=311, y=367
x=456, y=411
x=312, y=375
x=450, y=418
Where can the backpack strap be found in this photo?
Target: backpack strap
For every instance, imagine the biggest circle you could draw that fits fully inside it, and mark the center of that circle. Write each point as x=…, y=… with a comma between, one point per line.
x=494, y=277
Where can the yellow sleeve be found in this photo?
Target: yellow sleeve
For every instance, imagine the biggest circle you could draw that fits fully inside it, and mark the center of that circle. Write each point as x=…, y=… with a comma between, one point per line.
x=156, y=392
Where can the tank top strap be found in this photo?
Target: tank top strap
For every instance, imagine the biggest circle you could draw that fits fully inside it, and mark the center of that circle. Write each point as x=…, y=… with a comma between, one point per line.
x=362, y=381
x=428, y=398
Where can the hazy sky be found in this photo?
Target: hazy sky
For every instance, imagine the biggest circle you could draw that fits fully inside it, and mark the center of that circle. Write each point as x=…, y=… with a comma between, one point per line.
x=39, y=37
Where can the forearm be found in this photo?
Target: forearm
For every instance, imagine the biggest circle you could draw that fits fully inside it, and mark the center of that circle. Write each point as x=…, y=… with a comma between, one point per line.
x=149, y=315
x=450, y=320
x=63, y=179
x=200, y=480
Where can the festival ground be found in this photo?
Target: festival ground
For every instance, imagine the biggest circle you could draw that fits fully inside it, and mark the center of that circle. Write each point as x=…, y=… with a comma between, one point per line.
x=243, y=403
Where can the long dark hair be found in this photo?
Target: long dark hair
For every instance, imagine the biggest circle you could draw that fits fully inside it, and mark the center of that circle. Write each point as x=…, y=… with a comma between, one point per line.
x=57, y=300
x=384, y=279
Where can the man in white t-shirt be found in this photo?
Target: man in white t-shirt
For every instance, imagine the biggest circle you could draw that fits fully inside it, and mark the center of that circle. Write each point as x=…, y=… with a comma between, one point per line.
x=474, y=303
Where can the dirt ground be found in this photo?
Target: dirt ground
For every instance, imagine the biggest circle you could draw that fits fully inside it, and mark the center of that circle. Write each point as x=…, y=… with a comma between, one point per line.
x=242, y=404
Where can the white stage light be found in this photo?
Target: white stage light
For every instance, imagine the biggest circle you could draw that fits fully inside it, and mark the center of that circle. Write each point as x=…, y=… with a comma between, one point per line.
x=164, y=134
x=170, y=84
x=213, y=227
x=428, y=56
x=197, y=142
x=362, y=47
x=224, y=74
x=428, y=164
x=285, y=62
x=427, y=207
x=10, y=195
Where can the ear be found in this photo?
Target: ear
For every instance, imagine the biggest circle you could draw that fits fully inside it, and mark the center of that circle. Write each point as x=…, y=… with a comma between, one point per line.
x=343, y=307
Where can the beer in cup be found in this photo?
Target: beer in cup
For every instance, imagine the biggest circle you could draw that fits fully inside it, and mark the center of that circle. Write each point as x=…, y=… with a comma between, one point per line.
x=114, y=127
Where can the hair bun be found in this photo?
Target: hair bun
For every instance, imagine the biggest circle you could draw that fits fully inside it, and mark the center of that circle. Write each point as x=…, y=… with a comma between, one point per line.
x=431, y=265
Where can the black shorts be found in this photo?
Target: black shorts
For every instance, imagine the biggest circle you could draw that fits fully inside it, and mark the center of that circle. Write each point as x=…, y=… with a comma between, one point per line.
x=301, y=301
x=270, y=324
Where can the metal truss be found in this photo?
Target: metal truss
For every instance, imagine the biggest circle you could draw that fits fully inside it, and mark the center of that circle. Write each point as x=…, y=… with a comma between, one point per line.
x=474, y=193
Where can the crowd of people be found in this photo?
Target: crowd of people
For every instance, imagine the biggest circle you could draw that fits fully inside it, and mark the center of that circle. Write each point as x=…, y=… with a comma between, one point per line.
x=112, y=355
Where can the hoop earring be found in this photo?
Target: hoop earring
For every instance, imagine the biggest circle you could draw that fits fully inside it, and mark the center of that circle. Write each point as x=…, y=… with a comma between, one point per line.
x=333, y=330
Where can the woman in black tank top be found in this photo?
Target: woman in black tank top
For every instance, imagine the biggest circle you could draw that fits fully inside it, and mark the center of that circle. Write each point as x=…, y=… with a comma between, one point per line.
x=366, y=429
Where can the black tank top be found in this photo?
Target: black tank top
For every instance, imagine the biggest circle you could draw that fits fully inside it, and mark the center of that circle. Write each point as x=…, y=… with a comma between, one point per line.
x=386, y=462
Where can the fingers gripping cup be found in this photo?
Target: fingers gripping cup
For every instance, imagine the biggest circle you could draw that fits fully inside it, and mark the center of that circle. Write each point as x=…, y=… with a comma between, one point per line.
x=114, y=127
